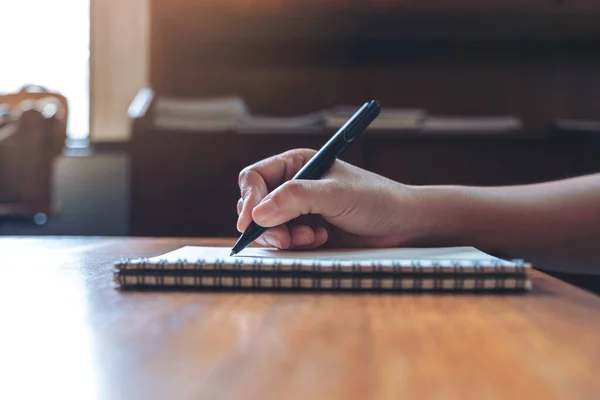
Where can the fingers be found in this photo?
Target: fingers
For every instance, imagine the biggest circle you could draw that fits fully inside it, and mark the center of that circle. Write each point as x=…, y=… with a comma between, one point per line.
x=253, y=189
x=299, y=197
x=297, y=236
x=278, y=237
x=305, y=237
x=256, y=180
x=294, y=237
x=277, y=169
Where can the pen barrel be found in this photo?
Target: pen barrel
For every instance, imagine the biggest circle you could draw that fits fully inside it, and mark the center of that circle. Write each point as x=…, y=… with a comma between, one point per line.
x=326, y=156
x=315, y=170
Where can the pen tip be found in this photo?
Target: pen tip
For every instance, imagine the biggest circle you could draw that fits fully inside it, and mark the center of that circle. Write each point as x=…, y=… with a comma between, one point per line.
x=232, y=254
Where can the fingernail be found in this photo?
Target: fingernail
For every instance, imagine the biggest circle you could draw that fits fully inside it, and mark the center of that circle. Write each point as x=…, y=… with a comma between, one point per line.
x=265, y=211
x=271, y=239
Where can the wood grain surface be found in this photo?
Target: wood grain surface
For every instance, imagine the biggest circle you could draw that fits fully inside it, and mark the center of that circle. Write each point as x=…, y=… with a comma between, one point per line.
x=67, y=333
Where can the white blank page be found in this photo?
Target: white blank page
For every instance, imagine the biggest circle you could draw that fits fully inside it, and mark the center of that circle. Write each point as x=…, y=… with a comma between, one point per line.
x=446, y=253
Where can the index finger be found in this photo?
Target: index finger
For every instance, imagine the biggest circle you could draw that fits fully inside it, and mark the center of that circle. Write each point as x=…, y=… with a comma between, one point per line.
x=257, y=180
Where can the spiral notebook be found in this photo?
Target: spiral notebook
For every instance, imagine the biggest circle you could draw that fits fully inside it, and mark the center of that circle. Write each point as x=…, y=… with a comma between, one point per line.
x=405, y=269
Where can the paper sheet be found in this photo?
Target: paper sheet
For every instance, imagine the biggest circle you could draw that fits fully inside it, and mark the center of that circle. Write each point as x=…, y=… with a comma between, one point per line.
x=446, y=253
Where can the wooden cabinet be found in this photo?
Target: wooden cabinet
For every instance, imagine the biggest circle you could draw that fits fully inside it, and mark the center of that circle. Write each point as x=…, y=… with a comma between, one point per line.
x=185, y=183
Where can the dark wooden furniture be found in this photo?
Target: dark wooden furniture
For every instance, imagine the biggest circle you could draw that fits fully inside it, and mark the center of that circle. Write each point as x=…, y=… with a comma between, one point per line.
x=536, y=60
x=68, y=333
x=185, y=183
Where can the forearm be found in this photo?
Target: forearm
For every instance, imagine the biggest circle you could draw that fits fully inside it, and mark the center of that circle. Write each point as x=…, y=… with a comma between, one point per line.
x=554, y=225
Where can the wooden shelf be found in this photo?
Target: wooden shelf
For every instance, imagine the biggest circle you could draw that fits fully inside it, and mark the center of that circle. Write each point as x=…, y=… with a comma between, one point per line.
x=177, y=176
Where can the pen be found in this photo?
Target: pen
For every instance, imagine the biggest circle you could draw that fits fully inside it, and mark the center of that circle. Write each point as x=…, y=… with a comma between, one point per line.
x=321, y=162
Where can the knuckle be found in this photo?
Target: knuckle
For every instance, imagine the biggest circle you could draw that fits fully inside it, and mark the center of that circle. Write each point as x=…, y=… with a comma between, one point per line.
x=243, y=175
x=302, y=153
x=297, y=162
x=246, y=191
x=244, y=182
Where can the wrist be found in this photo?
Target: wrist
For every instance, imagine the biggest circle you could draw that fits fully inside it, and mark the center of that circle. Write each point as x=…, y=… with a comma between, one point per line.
x=442, y=215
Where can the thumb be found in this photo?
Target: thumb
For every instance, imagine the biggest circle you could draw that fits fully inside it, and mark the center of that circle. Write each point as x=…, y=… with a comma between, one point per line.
x=299, y=197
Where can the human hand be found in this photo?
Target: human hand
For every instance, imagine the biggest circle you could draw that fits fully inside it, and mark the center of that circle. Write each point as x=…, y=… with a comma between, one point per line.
x=348, y=207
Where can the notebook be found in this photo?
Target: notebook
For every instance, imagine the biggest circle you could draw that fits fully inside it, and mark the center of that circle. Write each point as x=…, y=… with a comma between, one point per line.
x=402, y=269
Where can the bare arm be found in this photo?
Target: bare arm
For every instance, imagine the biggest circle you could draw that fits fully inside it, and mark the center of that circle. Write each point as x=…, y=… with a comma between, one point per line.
x=555, y=225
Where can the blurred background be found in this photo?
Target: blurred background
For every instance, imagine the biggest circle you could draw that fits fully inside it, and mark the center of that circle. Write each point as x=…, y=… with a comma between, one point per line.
x=135, y=117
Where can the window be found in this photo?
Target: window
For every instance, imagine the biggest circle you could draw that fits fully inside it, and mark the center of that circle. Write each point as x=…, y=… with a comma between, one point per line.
x=46, y=43
x=94, y=52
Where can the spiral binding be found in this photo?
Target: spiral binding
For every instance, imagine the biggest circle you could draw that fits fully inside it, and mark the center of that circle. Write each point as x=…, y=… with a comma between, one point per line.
x=338, y=266
x=356, y=275
x=397, y=283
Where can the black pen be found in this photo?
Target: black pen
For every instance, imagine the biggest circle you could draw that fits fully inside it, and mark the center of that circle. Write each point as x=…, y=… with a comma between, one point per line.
x=321, y=162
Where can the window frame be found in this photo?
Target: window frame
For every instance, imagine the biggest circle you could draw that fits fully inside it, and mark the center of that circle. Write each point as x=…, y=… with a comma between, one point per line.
x=119, y=64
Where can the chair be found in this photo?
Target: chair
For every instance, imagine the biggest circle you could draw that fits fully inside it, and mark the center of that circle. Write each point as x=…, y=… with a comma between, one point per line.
x=33, y=130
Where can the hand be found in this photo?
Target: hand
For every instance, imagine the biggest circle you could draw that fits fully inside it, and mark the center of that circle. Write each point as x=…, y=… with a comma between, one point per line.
x=347, y=207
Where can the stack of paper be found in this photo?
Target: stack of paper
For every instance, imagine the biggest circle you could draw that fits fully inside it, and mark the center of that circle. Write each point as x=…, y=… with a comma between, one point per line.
x=204, y=114
x=389, y=118
x=232, y=114
x=279, y=124
x=471, y=125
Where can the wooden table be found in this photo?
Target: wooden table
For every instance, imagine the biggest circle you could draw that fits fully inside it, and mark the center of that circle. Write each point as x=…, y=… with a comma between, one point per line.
x=67, y=333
